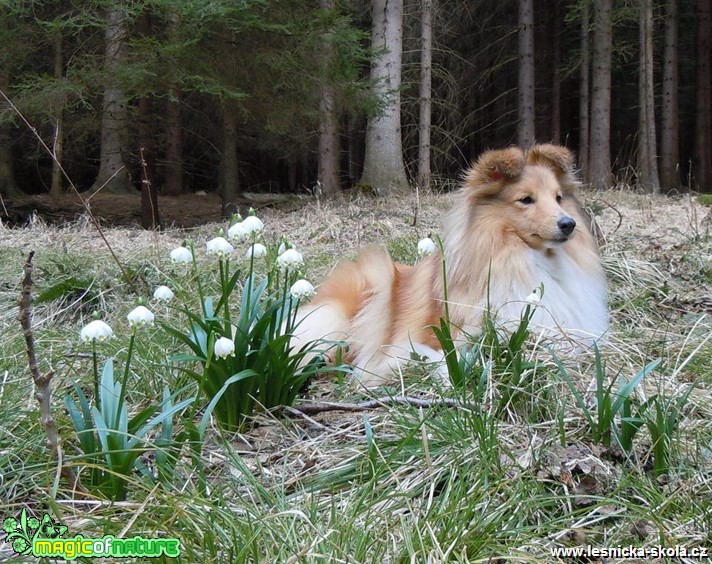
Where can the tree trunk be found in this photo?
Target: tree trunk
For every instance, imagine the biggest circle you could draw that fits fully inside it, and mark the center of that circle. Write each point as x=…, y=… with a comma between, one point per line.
x=600, y=140
x=329, y=141
x=426, y=78
x=174, y=180
x=584, y=91
x=526, y=116
x=384, y=169
x=556, y=73
x=670, y=137
x=8, y=185
x=150, y=218
x=229, y=189
x=55, y=188
x=703, y=127
x=647, y=147
x=113, y=175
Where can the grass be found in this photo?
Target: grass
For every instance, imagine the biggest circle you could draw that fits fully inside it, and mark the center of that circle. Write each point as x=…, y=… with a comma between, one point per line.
x=398, y=484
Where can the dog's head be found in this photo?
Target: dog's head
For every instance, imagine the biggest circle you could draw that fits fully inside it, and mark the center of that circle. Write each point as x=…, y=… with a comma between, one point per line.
x=529, y=194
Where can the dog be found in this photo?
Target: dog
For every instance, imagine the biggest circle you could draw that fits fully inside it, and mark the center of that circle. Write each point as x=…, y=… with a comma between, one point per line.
x=516, y=225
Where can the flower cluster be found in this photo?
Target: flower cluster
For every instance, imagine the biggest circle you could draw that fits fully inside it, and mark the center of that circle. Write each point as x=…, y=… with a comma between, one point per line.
x=222, y=246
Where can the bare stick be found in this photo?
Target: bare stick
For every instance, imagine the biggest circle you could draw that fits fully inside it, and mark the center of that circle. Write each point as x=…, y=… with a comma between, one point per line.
x=313, y=408
x=43, y=382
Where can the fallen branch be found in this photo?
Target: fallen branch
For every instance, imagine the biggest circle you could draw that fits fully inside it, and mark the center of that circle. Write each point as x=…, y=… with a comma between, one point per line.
x=320, y=407
x=43, y=382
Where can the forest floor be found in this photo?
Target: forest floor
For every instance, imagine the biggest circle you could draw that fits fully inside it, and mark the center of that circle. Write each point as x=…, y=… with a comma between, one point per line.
x=389, y=484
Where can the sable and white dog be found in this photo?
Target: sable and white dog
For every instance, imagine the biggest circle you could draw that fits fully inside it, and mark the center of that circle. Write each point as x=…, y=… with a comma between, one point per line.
x=515, y=224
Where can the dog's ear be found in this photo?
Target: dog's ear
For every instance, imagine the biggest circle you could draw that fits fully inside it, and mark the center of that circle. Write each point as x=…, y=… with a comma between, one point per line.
x=559, y=159
x=493, y=167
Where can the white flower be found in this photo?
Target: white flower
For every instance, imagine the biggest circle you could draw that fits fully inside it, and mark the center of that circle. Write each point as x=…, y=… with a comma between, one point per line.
x=97, y=330
x=256, y=251
x=140, y=315
x=163, y=294
x=535, y=297
x=181, y=254
x=219, y=247
x=238, y=232
x=224, y=347
x=426, y=247
x=253, y=224
x=302, y=289
x=289, y=259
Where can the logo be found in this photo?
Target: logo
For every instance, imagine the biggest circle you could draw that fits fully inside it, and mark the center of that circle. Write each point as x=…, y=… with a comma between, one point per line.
x=30, y=536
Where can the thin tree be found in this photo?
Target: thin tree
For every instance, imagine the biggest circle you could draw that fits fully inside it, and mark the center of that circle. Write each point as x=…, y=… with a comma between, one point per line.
x=229, y=167
x=600, y=138
x=113, y=175
x=426, y=79
x=384, y=169
x=526, y=113
x=703, y=119
x=584, y=89
x=670, y=110
x=150, y=217
x=8, y=185
x=329, y=142
x=173, y=182
x=55, y=188
x=648, y=178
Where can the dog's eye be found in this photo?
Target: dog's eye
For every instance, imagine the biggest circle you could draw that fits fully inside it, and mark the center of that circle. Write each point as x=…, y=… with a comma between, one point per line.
x=526, y=200
x=558, y=198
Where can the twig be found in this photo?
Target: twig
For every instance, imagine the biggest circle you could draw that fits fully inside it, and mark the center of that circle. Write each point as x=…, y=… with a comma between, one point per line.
x=320, y=407
x=43, y=382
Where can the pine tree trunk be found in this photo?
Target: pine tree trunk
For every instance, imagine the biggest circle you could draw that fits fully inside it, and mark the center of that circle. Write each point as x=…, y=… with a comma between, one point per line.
x=584, y=92
x=526, y=113
x=55, y=187
x=556, y=73
x=426, y=78
x=230, y=187
x=703, y=126
x=600, y=137
x=113, y=175
x=647, y=147
x=150, y=218
x=670, y=135
x=8, y=184
x=329, y=141
x=384, y=169
x=174, y=182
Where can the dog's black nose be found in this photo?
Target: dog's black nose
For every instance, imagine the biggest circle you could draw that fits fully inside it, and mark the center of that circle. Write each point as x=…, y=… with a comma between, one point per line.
x=566, y=225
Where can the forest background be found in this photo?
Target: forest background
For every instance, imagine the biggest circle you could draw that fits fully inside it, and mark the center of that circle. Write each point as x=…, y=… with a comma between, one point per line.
x=286, y=96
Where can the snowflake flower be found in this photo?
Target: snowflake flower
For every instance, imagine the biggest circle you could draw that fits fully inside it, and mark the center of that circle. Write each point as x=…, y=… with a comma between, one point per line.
x=224, y=347
x=140, y=315
x=291, y=258
x=181, y=254
x=302, y=289
x=163, y=294
x=220, y=247
x=535, y=297
x=426, y=247
x=256, y=251
x=253, y=224
x=97, y=330
x=238, y=232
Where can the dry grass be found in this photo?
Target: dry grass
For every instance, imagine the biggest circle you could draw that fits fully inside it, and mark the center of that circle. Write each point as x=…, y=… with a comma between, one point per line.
x=317, y=486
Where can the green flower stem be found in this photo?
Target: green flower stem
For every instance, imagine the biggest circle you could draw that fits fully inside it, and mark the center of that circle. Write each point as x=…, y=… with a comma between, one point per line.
x=96, y=372
x=224, y=282
x=127, y=369
x=201, y=293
